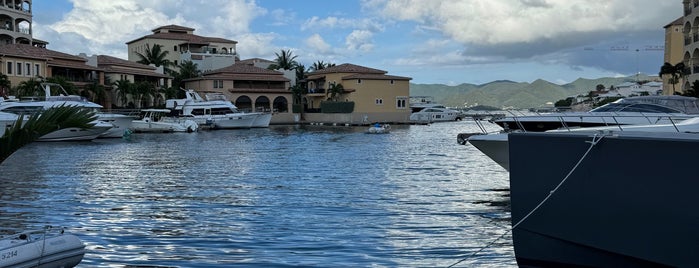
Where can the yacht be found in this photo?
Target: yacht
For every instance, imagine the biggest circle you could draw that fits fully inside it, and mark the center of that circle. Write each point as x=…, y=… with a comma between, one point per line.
x=216, y=111
x=425, y=110
x=626, y=111
x=157, y=120
x=604, y=198
x=107, y=125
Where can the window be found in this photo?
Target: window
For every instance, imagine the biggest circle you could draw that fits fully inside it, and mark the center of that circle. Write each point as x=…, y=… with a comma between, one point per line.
x=379, y=101
x=175, y=48
x=175, y=62
x=28, y=68
x=37, y=70
x=19, y=68
x=218, y=83
x=9, y=67
x=401, y=102
x=391, y=82
x=359, y=81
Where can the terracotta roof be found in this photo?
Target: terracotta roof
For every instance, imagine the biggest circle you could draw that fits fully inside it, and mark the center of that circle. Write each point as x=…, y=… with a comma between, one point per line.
x=248, y=90
x=252, y=77
x=678, y=21
x=347, y=68
x=376, y=77
x=71, y=64
x=252, y=61
x=185, y=37
x=173, y=27
x=121, y=70
x=29, y=51
x=105, y=61
x=243, y=69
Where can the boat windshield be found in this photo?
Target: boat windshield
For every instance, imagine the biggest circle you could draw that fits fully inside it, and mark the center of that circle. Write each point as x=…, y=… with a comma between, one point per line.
x=638, y=108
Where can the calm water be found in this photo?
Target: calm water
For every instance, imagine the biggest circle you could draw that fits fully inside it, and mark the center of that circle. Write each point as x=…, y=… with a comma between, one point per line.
x=312, y=196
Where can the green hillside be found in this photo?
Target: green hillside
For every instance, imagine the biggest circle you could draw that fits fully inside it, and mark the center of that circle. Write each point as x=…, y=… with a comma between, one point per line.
x=509, y=94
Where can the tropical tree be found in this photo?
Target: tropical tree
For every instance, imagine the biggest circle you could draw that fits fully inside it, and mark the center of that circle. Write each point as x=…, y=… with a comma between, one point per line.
x=286, y=60
x=154, y=55
x=68, y=86
x=5, y=85
x=124, y=89
x=300, y=73
x=318, y=65
x=335, y=90
x=42, y=123
x=676, y=72
x=188, y=69
x=31, y=87
x=95, y=92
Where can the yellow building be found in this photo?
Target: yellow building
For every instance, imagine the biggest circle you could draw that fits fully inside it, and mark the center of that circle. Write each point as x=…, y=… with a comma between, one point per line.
x=21, y=62
x=674, y=53
x=691, y=41
x=16, y=23
x=180, y=43
x=377, y=97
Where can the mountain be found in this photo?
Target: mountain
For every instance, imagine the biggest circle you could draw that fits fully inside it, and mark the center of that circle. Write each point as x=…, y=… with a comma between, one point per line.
x=509, y=94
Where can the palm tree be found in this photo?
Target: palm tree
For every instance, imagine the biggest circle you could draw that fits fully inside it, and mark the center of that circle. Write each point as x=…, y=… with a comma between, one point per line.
x=96, y=92
x=124, y=88
x=31, y=87
x=318, y=65
x=286, y=60
x=65, y=84
x=42, y=123
x=335, y=90
x=5, y=85
x=155, y=55
x=676, y=72
x=188, y=69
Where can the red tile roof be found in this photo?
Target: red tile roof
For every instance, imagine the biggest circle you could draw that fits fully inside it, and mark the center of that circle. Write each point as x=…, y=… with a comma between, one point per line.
x=243, y=69
x=375, y=77
x=105, y=61
x=347, y=68
x=29, y=51
x=185, y=37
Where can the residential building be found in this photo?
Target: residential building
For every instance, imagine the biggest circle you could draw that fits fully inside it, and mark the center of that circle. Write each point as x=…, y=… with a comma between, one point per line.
x=674, y=52
x=180, y=43
x=250, y=88
x=16, y=23
x=377, y=96
x=262, y=63
x=21, y=62
x=691, y=41
x=116, y=69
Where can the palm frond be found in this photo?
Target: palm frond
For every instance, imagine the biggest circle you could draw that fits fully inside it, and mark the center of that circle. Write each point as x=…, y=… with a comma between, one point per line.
x=41, y=123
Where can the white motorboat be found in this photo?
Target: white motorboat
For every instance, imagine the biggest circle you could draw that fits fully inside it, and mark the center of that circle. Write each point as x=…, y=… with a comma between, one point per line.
x=626, y=111
x=101, y=128
x=7, y=120
x=216, y=110
x=157, y=120
x=435, y=114
x=379, y=129
x=41, y=248
x=496, y=145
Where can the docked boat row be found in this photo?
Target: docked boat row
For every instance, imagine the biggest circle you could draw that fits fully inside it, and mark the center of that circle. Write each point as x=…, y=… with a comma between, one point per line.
x=604, y=196
x=185, y=115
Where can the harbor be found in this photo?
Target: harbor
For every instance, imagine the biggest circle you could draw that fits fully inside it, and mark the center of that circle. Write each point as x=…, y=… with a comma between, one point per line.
x=293, y=195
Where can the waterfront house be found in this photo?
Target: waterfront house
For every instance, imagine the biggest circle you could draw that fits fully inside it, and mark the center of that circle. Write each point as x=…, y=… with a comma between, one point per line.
x=21, y=62
x=16, y=23
x=377, y=96
x=250, y=88
x=180, y=43
x=116, y=69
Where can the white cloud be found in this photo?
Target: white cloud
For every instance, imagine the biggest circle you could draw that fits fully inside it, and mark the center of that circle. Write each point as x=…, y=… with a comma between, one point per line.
x=486, y=22
x=316, y=43
x=359, y=40
x=257, y=45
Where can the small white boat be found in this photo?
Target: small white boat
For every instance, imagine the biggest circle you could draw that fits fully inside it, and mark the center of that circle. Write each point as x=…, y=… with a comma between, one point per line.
x=41, y=248
x=156, y=120
x=379, y=129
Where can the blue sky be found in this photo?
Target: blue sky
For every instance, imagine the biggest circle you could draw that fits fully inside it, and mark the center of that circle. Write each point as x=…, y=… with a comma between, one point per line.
x=432, y=41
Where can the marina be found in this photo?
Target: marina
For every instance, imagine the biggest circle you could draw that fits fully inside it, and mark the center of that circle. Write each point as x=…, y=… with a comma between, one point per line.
x=291, y=195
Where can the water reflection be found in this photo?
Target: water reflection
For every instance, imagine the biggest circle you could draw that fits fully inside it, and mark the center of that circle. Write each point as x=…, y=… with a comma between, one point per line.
x=287, y=195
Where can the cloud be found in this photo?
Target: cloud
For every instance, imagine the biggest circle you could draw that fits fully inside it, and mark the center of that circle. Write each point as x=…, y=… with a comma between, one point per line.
x=359, y=40
x=492, y=22
x=315, y=42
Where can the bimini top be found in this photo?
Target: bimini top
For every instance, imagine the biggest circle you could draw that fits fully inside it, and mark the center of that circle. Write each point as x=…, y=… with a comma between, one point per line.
x=653, y=104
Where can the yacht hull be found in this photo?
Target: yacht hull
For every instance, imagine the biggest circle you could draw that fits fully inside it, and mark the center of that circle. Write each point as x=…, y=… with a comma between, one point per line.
x=623, y=206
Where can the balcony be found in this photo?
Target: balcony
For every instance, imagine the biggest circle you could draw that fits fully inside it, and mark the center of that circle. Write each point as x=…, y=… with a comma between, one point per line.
x=687, y=11
x=687, y=41
x=695, y=69
x=316, y=92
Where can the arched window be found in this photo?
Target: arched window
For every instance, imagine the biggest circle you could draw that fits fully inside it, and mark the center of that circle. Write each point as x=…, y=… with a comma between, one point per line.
x=262, y=104
x=243, y=103
x=281, y=105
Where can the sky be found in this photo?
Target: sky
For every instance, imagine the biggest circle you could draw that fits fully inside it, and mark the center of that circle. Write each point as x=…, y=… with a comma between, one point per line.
x=432, y=41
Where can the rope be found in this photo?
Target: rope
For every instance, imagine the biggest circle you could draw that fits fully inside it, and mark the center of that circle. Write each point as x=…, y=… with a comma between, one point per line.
x=595, y=139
